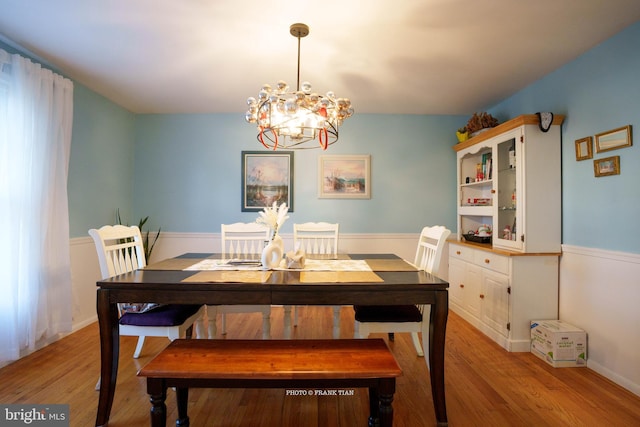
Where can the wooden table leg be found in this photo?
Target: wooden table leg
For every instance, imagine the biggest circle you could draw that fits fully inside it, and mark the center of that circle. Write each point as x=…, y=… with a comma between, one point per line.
x=437, y=331
x=109, y=351
x=157, y=390
x=182, y=398
x=287, y=321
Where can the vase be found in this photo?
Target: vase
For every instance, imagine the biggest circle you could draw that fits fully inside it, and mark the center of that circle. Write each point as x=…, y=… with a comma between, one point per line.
x=271, y=255
x=277, y=240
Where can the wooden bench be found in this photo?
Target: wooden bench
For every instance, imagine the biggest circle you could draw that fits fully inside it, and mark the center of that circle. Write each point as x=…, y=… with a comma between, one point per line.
x=304, y=366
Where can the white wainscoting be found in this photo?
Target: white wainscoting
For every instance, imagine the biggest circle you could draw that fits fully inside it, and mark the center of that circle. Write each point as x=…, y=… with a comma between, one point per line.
x=600, y=293
x=85, y=272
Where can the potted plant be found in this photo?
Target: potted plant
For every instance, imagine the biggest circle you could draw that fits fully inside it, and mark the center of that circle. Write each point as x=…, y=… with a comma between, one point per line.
x=462, y=134
x=480, y=121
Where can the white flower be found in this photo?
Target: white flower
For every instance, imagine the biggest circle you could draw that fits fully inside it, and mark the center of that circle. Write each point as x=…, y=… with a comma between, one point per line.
x=273, y=217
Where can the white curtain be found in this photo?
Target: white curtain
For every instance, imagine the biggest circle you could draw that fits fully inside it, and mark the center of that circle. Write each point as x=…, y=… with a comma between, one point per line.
x=36, y=109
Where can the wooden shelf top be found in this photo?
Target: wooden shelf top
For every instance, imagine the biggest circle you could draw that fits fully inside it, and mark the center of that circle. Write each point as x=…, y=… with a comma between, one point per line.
x=506, y=252
x=525, y=119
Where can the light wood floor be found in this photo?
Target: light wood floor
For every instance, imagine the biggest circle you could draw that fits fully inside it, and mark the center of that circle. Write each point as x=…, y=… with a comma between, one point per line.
x=485, y=385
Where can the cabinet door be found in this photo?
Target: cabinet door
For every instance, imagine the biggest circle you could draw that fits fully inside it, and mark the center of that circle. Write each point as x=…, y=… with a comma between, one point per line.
x=495, y=301
x=472, y=282
x=456, y=281
x=507, y=225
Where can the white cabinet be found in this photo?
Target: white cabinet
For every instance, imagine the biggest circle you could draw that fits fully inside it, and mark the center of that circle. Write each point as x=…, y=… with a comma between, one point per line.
x=508, y=179
x=500, y=291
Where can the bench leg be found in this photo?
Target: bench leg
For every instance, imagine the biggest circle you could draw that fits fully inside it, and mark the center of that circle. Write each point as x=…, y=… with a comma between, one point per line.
x=386, y=410
x=387, y=389
x=182, y=398
x=374, y=407
x=158, y=394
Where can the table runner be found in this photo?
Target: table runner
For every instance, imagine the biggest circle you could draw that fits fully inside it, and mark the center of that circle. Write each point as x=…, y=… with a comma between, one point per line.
x=233, y=276
x=390, y=265
x=341, y=270
x=310, y=265
x=339, y=277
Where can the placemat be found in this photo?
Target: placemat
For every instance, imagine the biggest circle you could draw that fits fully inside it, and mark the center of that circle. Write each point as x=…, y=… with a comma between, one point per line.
x=338, y=276
x=172, y=264
x=335, y=265
x=233, y=276
x=390, y=265
x=325, y=256
x=210, y=264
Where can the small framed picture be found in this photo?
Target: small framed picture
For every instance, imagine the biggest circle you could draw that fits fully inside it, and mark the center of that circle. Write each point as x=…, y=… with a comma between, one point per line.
x=266, y=178
x=344, y=177
x=613, y=139
x=584, y=148
x=606, y=167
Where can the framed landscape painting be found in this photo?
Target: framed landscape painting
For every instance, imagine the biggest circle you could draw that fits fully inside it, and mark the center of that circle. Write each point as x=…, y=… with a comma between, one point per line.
x=266, y=178
x=344, y=177
x=606, y=167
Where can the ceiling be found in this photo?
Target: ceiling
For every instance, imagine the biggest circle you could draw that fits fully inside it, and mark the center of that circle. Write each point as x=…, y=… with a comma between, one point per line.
x=387, y=56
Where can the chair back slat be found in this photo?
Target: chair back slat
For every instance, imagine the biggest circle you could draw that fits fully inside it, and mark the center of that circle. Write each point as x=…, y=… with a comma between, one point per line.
x=430, y=248
x=119, y=249
x=243, y=240
x=318, y=238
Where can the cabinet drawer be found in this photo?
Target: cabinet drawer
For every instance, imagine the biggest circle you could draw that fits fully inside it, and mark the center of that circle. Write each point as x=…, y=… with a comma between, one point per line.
x=492, y=261
x=461, y=252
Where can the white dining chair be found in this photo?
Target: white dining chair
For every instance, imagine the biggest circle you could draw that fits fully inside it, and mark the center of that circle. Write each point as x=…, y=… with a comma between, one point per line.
x=120, y=250
x=406, y=318
x=243, y=241
x=321, y=239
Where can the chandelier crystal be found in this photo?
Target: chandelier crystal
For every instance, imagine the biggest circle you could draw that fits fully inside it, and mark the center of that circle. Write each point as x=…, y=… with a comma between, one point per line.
x=300, y=119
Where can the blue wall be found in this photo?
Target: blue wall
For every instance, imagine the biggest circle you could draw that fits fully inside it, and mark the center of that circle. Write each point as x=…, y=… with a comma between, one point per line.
x=599, y=91
x=101, y=164
x=188, y=173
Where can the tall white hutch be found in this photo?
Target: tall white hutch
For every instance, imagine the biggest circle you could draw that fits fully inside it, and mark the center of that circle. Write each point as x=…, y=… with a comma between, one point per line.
x=509, y=181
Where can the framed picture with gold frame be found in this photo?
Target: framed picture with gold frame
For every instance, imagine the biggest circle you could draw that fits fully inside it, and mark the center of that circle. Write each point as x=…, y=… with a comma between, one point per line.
x=607, y=166
x=613, y=139
x=584, y=148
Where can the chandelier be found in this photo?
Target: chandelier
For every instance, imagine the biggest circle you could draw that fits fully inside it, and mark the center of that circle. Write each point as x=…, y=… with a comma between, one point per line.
x=300, y=119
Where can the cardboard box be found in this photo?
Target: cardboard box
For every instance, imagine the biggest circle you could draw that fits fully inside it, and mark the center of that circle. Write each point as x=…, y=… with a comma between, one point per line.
x=558, y=343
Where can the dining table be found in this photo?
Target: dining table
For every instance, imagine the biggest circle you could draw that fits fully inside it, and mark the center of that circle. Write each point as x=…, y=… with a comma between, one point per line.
x=204, y=278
